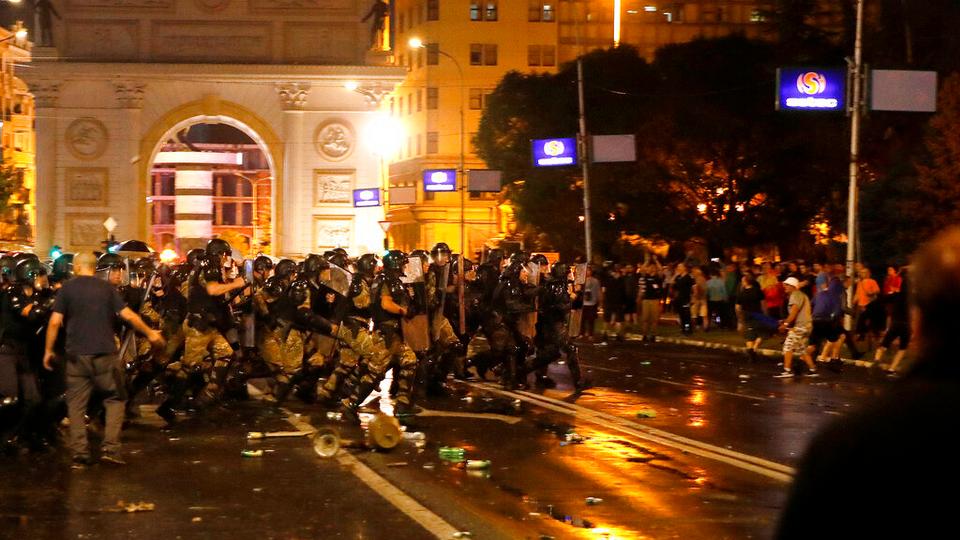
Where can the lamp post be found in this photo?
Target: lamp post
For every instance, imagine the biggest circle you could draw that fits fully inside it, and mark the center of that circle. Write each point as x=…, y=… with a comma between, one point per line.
x=417, y=43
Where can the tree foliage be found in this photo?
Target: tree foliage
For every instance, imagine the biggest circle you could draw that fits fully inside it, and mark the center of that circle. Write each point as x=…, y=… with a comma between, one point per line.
x=715, y=159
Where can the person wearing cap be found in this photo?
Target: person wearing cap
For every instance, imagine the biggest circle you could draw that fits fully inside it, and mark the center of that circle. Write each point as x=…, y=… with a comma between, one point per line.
x=798, y=325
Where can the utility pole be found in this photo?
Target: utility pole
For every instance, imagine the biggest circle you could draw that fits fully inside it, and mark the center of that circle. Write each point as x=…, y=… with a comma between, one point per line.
x=857, y=83
x=584, y=161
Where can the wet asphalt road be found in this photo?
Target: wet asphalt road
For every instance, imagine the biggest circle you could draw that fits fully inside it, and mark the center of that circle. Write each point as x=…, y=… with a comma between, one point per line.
x=713, y=463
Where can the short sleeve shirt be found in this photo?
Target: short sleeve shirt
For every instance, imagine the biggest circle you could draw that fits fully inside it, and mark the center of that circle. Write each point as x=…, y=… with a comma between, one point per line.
x=804, y=318
x=866, y=288
x=89, y=306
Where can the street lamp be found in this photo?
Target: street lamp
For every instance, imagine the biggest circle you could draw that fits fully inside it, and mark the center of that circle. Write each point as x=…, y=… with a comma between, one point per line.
x=417, y=43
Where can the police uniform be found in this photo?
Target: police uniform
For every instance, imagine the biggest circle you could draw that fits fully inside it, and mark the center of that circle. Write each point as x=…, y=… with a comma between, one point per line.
x=552, y=333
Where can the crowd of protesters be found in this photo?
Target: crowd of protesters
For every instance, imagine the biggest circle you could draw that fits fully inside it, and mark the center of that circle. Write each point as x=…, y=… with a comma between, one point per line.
x=807, y=303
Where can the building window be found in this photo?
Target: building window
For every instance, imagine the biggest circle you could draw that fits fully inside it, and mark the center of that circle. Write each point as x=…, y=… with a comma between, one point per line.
x=433, y=54
x=541, y=55
x=433, y=142
x=483, y=10
x=166, y=213
x=419, y=100
x=476, y=99
x=483, y=54
x=757, y=16
x=419, y=145
x=433, y=98
x=433, y=10
x=540, y=11
x=400, y=108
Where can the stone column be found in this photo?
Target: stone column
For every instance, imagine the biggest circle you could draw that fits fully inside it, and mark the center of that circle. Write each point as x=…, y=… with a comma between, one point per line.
x=135, y=222
x=290, y=230
x=45, y=95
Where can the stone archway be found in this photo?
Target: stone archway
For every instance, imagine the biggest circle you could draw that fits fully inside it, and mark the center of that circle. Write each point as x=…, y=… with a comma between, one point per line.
x=211, y=109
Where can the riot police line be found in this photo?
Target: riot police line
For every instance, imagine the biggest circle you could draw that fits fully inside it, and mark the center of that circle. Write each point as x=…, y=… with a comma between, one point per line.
x=324, y=330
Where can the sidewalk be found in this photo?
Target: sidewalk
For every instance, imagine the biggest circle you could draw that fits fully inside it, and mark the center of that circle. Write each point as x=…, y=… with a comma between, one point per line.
x=729, y=340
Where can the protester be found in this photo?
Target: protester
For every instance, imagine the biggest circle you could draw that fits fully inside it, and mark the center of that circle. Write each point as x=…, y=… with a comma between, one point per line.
x=683, y=284
x=798, y=325
x=614, y=304
x=881, y=470
x=898, y=330
x=756, y=324
x=591, y=303
x=698, y=302
x=653, y=294
x=716, y=302
x=86, y=307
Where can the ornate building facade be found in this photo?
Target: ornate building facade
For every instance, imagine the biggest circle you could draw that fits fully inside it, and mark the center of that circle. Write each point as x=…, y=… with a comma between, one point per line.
x=119, y=79
x=18, y=142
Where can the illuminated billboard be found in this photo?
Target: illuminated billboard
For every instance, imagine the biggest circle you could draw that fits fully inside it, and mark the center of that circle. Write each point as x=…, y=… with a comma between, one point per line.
x=811, y=89
x=554, y=152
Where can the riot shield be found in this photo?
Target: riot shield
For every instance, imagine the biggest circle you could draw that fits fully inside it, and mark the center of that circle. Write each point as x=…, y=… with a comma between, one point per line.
x=249, y=318
x=580, y=274
x=337, y=280
x=533, y=273
x=416, y=329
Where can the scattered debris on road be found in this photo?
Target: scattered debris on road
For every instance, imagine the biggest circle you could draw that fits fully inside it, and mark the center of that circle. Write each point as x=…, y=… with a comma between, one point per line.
x=647, y=413
x=251, y=453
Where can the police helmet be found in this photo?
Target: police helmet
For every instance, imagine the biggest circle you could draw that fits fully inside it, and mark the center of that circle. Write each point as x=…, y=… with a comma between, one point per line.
x=262, y=264
x=337, y=257
x=8, y=267
x=521, y=257
x=218, y=247
x=441, y=247
x=274, y=287
x=285, y=268
x=29, y=269
x=62, y=268
x=539, y=259
x=108, y=261
x=194, y=256
x=299, y=291
x=314, y=264
x=560, y=270
x=395, y=260
x=367, y=265
x=495, y=256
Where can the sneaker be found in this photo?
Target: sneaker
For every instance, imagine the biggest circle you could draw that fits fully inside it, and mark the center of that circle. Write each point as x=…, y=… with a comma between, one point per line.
x=80, y=462
x=811, y=373
x=112, y=459
x=784, y=375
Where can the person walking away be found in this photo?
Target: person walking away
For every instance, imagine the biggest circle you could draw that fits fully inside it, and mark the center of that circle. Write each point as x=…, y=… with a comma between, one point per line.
x=898, y=330
x=86, y=307
x=893, y=451
x=683, y=296
x=653, y=293
x=716, y=302
x=798, y=324
x=827, y=321
x=871, y=318
x=756, y=325
x=614, y=305
x=631, y=292
x=591, y=302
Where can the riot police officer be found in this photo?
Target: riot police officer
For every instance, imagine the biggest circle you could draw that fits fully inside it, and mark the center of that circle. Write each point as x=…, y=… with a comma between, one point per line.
x=553, y=336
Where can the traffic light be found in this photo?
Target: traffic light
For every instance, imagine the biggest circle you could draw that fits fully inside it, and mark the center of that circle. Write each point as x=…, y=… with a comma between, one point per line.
x=111, y=245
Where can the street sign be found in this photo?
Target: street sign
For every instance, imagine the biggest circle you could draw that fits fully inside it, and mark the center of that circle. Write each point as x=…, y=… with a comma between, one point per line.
x=483, y=180
x=811, y=89
x=110, y=224
x=440, y=180
x=903, y=90
x=363, y=198
x=554, y=152
x=613, y=148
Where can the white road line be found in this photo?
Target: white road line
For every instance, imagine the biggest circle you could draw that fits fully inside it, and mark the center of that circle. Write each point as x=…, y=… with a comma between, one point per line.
x=776, y=471
x=433, y=523
x=687, y=385
x=477, y=416
x=603, y=368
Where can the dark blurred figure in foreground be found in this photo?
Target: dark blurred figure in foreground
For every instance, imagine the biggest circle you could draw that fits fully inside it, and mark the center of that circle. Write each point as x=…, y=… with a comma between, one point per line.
x=886, y=471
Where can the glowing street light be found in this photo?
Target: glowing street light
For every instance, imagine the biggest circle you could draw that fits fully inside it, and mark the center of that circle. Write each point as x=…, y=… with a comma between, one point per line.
x=351, y=85
x=416, y=43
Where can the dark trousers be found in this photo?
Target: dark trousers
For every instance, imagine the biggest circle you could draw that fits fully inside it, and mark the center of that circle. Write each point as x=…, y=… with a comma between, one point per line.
x=589, y=319
x=84, y=374
x=683, y=310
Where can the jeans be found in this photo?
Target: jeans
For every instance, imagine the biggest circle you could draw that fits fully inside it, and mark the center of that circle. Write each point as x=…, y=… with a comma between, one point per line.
x=84, y=373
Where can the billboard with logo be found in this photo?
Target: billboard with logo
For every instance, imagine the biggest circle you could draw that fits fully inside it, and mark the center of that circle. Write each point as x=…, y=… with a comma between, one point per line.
x=440, y=180
x=811, y=89
x=366, y=197
x=554, y=152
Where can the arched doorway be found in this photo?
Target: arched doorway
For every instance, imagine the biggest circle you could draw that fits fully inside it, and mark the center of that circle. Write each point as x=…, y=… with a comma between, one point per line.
x=241, y=191
x=248, y=128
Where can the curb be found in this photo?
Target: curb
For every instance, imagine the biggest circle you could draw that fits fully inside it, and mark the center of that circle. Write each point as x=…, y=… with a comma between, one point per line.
x=773, y=353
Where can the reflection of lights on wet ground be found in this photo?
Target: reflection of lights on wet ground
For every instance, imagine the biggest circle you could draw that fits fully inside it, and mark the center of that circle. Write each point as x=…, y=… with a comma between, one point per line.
x=696, y=421
x=697, y=397
x=699, y=381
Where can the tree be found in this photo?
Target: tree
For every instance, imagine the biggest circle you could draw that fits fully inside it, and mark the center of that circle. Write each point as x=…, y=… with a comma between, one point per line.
x=10, y=181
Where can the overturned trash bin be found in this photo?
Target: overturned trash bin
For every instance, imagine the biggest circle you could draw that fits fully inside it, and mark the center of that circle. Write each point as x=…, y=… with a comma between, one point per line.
x=326, y=442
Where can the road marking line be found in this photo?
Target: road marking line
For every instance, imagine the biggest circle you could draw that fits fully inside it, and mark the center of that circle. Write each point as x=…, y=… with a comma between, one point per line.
x=480, y=416
x=746, y=462
x=687, y=385
x=603, y=368
x=433, y=523
x=666, y=434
